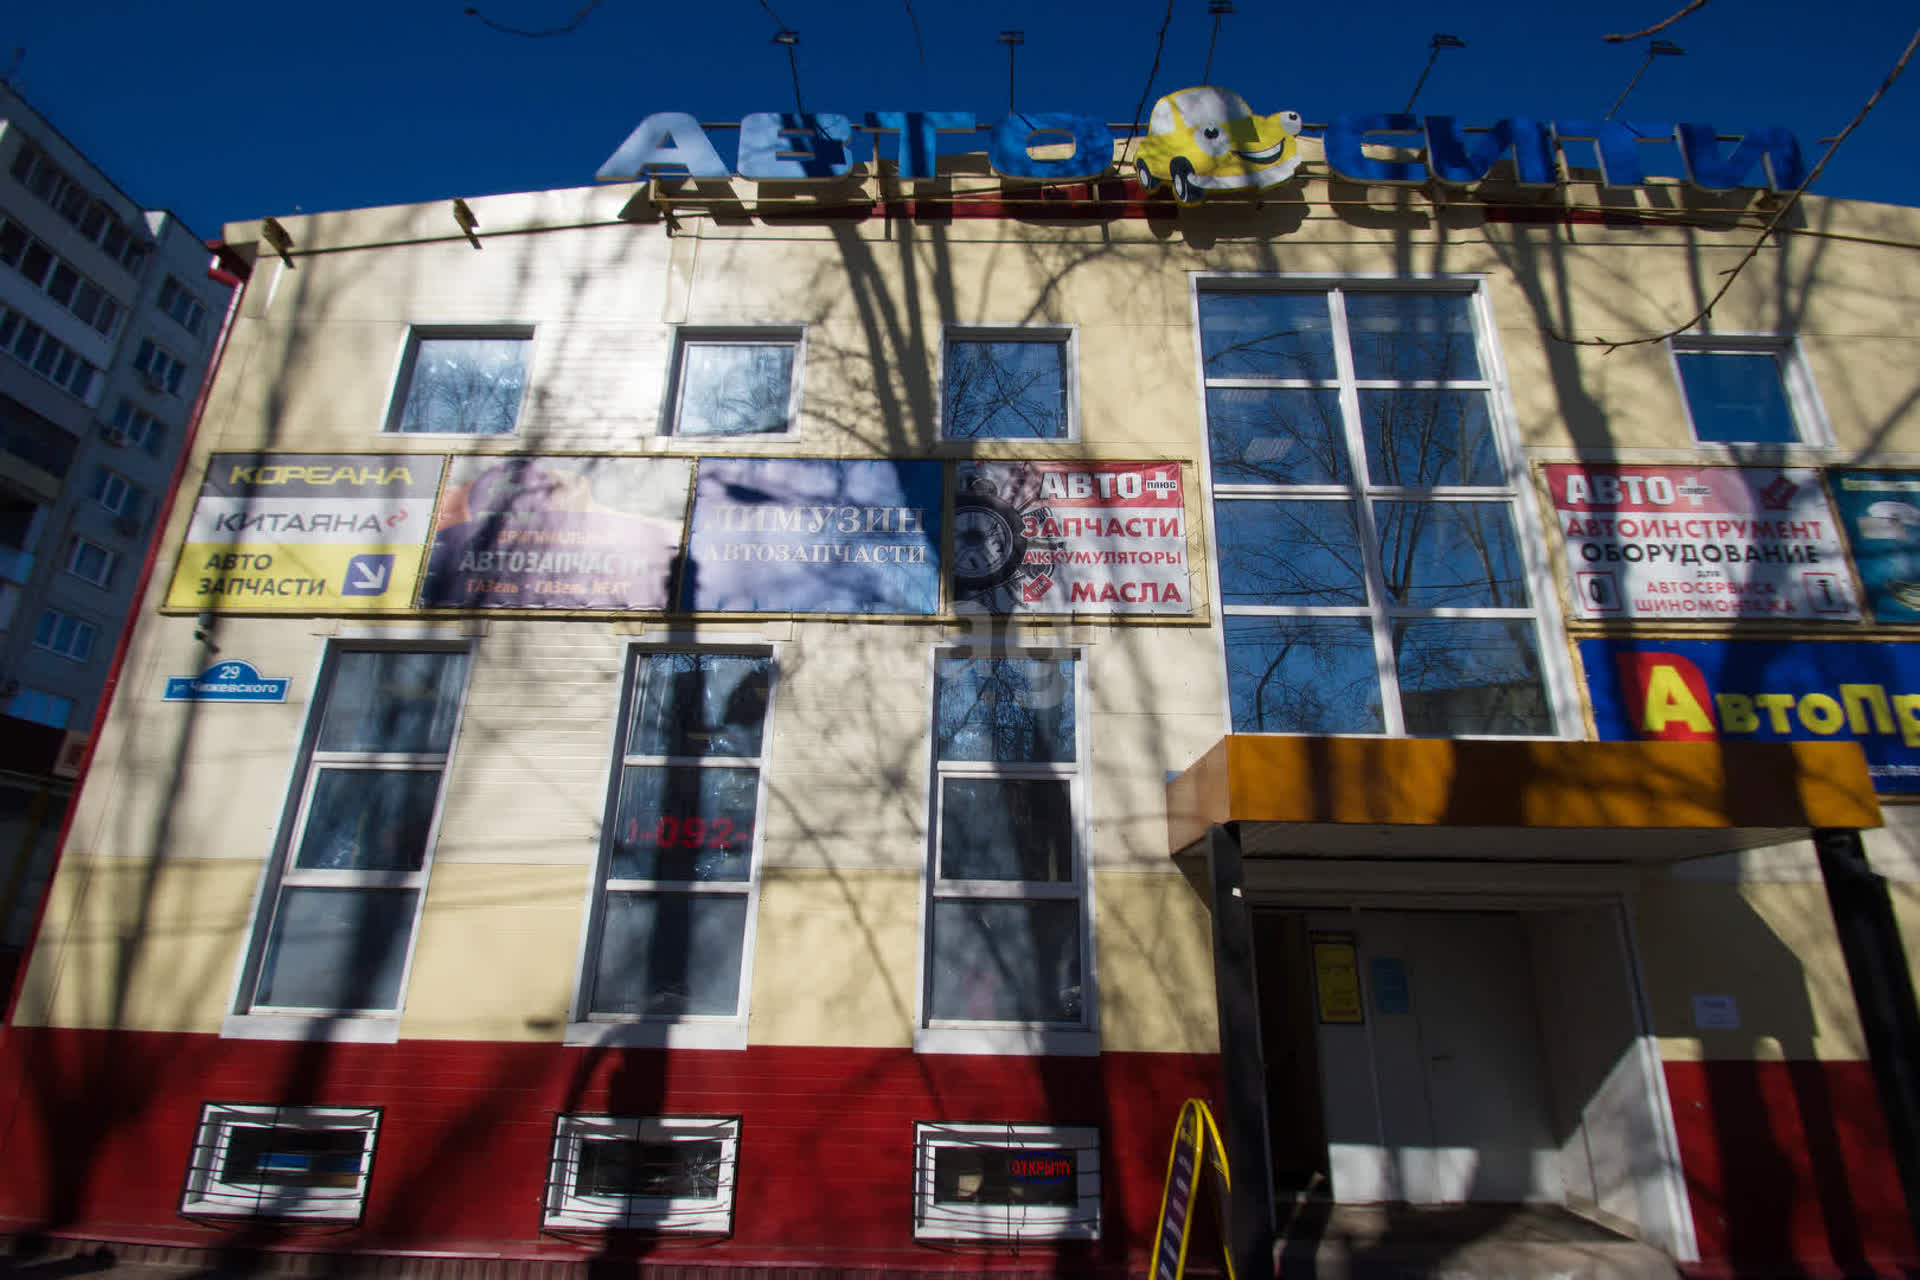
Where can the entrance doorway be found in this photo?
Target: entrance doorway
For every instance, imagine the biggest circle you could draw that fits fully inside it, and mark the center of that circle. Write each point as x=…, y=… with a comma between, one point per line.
x=1448, y=1057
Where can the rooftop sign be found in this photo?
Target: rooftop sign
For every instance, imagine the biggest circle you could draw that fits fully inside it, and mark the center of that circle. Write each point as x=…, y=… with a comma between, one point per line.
x=1203, y=139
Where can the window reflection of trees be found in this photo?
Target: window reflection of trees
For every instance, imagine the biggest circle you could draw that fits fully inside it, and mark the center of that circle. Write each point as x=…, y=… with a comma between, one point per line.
x=735, y=389
x=466, y=385
x=1004, y=390
x=1320, y=673
x=1009, y=710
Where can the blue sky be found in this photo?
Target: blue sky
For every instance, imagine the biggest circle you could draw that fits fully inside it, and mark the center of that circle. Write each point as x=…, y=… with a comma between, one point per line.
x=222, y=113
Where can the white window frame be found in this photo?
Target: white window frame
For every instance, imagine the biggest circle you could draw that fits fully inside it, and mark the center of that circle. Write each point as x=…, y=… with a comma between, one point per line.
x=567, y=1210
x=1516, y=493
x=251, y=1019
x=136, y=425
x=691, y=335
x=1796, y=380
x=73, y=650
x=408, y=362
x=1065, y=336
x=162, y=370
x=1079, y=1221
x=106, y=484
x=205, y=1194
x=172, y=292
x=975, y=1036
x=74, y=545
x=676, y=1031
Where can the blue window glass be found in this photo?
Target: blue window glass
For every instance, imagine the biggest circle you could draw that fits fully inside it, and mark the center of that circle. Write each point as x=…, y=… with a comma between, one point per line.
x=1005, y=390
x=1737, y=397
x=1267, y=335
x=1471, y=676
x=1289, y=553
x=1412, y=336
x=1451, y=555
x=1276, y=435
x=1425, y=438
x=1303, y=675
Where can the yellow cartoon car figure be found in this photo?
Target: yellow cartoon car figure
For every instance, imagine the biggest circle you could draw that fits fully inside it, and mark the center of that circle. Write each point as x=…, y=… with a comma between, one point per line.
x=1207, y=139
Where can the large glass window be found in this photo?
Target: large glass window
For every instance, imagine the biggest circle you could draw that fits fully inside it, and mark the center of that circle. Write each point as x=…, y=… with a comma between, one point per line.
x=1006, y=934
x=337, y=924
x=677, y=872
x=462, y=383
x=1007, y=384
x=1372, y=573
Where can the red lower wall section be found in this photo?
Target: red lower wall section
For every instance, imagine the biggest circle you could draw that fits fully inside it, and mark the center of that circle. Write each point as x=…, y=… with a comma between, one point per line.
x=95, y=1128
x=1787, y=1163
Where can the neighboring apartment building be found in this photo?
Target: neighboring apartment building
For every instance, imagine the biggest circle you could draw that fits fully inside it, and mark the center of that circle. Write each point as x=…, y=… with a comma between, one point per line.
x=782, y=722
x=108, y=318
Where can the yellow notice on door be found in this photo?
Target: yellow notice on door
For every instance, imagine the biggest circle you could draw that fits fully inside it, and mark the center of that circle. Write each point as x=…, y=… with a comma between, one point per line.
x=1336, y=977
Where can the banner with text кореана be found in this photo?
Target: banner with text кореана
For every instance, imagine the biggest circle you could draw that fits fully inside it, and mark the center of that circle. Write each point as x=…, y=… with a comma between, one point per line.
x=307, y=533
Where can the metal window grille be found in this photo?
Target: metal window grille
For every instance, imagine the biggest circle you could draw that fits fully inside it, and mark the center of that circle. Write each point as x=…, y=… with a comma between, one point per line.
x=1006, y=1182
x=281, y=1162
x=670, y=1174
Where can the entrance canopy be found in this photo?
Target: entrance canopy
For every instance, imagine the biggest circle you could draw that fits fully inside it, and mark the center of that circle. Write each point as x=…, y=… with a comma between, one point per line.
x=1522, y=800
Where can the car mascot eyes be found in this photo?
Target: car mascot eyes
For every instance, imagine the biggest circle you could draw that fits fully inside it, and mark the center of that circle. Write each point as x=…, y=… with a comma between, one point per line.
x=1212, y=139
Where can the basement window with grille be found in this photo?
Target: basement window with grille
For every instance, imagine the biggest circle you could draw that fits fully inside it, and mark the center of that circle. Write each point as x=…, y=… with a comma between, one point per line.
x=281, y=1162
x=1006, y=1182
x=673, y=1173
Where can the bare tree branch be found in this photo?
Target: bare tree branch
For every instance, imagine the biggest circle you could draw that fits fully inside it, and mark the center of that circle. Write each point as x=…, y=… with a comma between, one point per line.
x=1147, y=88
x=1786, y=206
x=1625, y=36
x=578, y=18
x=917, y=43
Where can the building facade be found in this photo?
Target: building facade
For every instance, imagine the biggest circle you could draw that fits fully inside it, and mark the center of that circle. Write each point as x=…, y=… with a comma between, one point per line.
x=108, y=317
x=782, y=723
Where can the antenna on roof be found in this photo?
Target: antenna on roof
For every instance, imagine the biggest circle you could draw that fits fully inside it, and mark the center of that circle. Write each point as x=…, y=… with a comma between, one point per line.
x=1655, y=49
x=1441, y=40
x=1219, y=9
x=1012, y=39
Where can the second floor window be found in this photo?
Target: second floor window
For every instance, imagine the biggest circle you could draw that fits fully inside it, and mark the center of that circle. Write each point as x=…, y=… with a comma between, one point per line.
x=66, y=635
x=164, y=371
x=1373, y=573
x=1008, y=384
x=461, y=383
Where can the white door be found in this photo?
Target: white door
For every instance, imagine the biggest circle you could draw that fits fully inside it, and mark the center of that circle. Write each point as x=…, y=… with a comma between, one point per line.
x=1459, y=1096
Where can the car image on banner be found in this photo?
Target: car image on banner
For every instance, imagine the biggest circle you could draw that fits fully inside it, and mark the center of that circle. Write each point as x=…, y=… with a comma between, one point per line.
x=557, y=533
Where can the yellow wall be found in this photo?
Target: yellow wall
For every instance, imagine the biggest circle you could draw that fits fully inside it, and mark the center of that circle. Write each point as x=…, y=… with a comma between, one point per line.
x=185, y=801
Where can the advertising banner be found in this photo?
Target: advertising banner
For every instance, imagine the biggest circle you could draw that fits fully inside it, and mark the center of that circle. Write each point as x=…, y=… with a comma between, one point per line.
x=1758, y=691
x=814, y=535
x=1881, y=510
x=1701, y=544
x=307, y=533
x=1070, y=537
x=557, y=533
